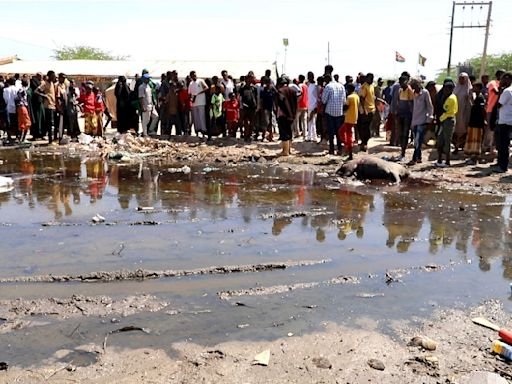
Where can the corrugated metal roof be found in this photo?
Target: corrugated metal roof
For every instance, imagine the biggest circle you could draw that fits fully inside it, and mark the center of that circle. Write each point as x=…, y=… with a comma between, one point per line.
x=114, y=68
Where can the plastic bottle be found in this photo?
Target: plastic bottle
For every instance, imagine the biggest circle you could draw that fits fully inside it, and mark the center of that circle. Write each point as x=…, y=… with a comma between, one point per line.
x=502, y=349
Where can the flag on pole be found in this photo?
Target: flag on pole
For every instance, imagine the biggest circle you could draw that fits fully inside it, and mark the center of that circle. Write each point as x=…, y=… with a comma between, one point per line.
x=399, y=57
x=421, y=60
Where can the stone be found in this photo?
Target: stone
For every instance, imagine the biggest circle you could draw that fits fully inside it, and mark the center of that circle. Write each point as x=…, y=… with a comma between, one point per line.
x=321, y=362
x=376, y=364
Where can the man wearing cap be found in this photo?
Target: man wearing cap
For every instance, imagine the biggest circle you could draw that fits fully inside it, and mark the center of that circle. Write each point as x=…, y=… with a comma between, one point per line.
x=149, y=114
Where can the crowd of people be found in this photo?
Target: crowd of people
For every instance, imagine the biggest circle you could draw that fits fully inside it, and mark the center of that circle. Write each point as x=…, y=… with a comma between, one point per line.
x=469, y=115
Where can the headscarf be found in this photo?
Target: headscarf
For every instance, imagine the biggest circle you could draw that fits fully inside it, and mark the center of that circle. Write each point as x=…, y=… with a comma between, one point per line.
x=465, y=89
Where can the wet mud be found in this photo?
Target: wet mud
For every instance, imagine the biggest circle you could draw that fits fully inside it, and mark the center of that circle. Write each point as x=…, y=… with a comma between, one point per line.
x=225, y=251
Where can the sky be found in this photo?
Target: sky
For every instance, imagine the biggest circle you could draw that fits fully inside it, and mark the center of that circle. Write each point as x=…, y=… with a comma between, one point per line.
x=362, y=35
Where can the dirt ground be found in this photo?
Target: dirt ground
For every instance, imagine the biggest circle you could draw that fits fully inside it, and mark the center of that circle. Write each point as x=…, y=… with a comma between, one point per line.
x=338, y=354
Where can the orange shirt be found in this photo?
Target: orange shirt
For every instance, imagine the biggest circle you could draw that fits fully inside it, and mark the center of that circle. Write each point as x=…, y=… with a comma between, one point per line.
x=493, y=88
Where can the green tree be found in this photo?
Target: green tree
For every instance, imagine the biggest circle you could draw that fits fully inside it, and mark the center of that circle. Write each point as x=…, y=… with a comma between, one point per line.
x=84, y=52
x=494, y=62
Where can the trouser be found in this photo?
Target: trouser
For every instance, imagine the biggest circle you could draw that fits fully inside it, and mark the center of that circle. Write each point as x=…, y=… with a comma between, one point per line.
x=365, y=121
x=199, y=119
x=418, y=132
x=232, y=128
x=285, y=128
x=403, y=128
x=444, y=136
x=503, y=144
x=333, y=125
x=300, y=122
x=311, y=130
x=345, y=134
x=149, y=116
x=49, y=122
x=183, y=117
x=248, y=117
x=13, y=124
x=177, y=122
x=74, y=128
x=488, y=142
x=375, y=124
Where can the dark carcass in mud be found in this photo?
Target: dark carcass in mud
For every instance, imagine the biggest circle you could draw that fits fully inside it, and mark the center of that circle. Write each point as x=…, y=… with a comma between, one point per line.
x=371, y=167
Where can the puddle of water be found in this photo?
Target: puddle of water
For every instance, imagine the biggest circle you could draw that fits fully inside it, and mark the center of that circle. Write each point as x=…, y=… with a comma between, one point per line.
x=224, y=217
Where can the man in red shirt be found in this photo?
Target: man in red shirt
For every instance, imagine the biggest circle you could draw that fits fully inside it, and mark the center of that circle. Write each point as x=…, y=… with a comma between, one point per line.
x=302, y=107
x=493, y=89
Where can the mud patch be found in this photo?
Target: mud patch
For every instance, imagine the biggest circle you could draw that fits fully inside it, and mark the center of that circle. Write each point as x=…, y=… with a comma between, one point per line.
x=278, y=289
x=143, y=274
x=19, y=313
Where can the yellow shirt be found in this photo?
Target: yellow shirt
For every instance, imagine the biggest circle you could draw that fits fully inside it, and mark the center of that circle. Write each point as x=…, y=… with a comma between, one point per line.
x=367, y=92
x=48, y=88
x=406, y=94
x=353, y=109
x=450, y=106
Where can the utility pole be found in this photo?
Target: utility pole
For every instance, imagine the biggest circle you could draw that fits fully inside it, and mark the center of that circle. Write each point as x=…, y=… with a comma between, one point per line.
x=328, y=53
x=449, y=67
x=285, y=43
x=483, y=63
x=486, y=26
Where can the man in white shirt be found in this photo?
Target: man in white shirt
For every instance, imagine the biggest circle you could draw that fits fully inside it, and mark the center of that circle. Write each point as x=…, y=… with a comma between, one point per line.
x=312, y=105
x=196, y=90
x=229, y=86
x=9, y=95
x=149, y=113
x=504, y=122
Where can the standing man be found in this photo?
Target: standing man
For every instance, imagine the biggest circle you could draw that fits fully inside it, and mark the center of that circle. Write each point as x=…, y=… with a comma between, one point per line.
x=492, y=98
x=227, y=83
x=504, y=122
x=249, y=103
x=404, y=113
x=367, y=96
x=333, y=97
x=196, y=91
x=447, y=122
x=302, y=107
x=47, y=91
x=9, y=94
x=422, y=114
x=149, y=113
x=312, y=92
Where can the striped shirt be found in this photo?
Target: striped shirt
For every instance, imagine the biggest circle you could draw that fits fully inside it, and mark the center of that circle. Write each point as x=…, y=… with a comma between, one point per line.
x=333, y=97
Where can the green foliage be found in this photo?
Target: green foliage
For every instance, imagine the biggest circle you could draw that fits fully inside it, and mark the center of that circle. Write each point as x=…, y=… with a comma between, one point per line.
x=494, y=62
x=83, y=52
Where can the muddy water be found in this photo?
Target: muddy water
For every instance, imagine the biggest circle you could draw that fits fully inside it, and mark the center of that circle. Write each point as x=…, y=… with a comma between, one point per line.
x=238, y=215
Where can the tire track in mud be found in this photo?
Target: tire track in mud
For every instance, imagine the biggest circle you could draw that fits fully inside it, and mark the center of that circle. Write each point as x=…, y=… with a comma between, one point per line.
x=143, y=274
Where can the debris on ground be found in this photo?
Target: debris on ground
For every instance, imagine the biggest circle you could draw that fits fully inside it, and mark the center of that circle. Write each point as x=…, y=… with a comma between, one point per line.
x=262, y=358
x=376, y=364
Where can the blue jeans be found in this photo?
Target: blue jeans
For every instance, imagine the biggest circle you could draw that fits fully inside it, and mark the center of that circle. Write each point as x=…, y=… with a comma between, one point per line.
x=418, y=132
x=333, y=125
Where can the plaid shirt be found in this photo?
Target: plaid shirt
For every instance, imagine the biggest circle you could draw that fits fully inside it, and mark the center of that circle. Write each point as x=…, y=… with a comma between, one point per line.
x=333, y=97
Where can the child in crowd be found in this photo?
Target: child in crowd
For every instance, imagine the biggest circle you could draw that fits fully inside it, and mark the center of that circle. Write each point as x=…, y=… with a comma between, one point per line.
x=351, y=115
x=216, y=112
x=24, y=122
x=232, y=107
x=473, y=147
x=99, y=107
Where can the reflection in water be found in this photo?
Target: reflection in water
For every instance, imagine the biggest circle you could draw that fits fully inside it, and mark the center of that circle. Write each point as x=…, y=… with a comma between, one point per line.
x=455, y=220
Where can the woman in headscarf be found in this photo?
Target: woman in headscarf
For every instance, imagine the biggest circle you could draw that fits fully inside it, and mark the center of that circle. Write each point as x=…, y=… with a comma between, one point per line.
x=35, y=107
x=124, y=108
x=463, y=91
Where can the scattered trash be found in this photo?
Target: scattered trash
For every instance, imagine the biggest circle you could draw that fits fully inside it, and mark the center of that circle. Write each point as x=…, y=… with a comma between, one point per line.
x=145, y=208
x=262, y=358
x=98, y=219
x=322, y=174
x=290, y=334
x=505, y=335
x=6, y=184
x=502, y=349
x=321, y=362
x=85, y=139
x=3, y=366
x=424, y=342
x=117, y=251
x=376, y=364
x=185, y=170
x=369, y=295
x=242, y=326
